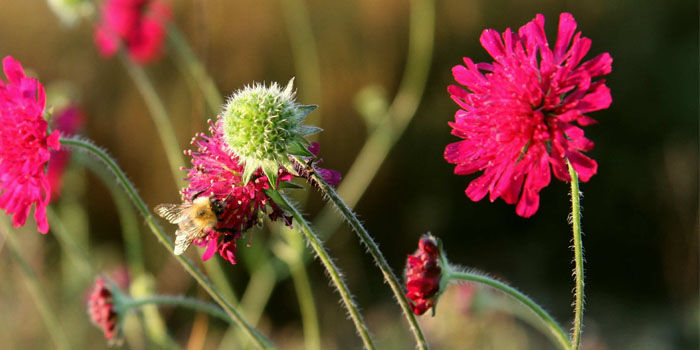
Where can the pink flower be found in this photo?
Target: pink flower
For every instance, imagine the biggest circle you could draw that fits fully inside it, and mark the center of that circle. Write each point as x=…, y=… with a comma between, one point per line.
x=68, y=121
x=217, y=173
x=24, y=147
x=138, y=25
x=518, y=116
x=102, y=310
x=423, y=274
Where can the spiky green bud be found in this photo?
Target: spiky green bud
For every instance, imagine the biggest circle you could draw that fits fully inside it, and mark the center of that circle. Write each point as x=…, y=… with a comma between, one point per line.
x=262, y=126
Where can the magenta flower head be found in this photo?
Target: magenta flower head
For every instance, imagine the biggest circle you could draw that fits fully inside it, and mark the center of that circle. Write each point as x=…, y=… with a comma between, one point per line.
x=248, y=153
x=24, y=147
x=136, y=25
x=103, y=309
x=522, y=114
x=217, y=173
x=423, y=275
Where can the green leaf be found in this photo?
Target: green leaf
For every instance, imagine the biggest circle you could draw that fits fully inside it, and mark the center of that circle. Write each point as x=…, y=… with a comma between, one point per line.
x=306, y=130
x=289, y=185
x=250, y=168
x=277, y=198
x=304, y=110
x=299, y=149
x=270, y=168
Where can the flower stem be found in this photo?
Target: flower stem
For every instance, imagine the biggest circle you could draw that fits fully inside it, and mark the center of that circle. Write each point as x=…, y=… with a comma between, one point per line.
x=194, y=66
x=332, y=270
x=554, y=329
x=578, y=258
x=190, y=303
x=36, y=291
x=389, y=276
x=83, y=145
x=159, y=115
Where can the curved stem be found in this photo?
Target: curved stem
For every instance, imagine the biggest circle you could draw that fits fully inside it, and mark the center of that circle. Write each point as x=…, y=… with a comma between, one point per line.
x=332, y=270
x=159, y=116
x=305, y=297
x=86, y=146
x=189, y=59
x=179, y=301
x=402, y=109
x=578, y=258
x=37, y=292
x=389, y=276
x=555, y=331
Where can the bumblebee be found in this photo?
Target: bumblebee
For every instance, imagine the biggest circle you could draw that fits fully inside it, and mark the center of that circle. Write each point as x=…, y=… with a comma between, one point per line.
x=193, y=218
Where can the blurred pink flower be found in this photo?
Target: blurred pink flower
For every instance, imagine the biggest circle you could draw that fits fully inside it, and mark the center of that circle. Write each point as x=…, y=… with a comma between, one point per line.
x=217, y=173
x=67, y=121
x=138, y=25
x=24, y=146
x=102, y=311
x=423, y=274
x=517, y=117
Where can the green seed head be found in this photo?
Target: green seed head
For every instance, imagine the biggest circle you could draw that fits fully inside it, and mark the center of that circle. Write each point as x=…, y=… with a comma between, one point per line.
x=262, y=126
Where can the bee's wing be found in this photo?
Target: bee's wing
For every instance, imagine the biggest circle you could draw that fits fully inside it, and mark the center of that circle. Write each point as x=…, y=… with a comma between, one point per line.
x=184, y=237
x=172, y=212
x=182, y=242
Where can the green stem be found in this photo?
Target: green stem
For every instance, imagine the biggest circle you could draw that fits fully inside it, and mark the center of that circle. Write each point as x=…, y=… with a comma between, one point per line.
x=305, y=297
x=290, y=252
x=190, y=303
x=75, y=254
x=160, y=118
x=194, y=66
x=86, y=146
x=578, y=258
x=554, y=330
x=402, y=109
x=389, y=276
x=36, y=291
x=333, y=271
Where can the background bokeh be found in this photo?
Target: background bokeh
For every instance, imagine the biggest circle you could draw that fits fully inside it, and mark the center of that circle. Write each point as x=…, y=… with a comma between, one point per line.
x=640, y=210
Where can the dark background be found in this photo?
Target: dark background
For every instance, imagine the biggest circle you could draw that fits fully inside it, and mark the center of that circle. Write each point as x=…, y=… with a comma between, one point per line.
x=640, y=211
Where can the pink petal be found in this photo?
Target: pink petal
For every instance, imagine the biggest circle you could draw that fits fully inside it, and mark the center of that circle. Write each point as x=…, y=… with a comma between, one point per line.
x=585, y=167
x=567, y=27
x=491, y=41
x=13, y=70
x=212, y=244
x=528, y=204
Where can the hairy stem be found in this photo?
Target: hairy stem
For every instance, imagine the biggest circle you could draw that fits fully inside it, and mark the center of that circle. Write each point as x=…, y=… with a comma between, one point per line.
x=80, y=144
x=189, y=303
x=333, y=271
x=578, y=258
x=379, y=259
x=555, y=331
